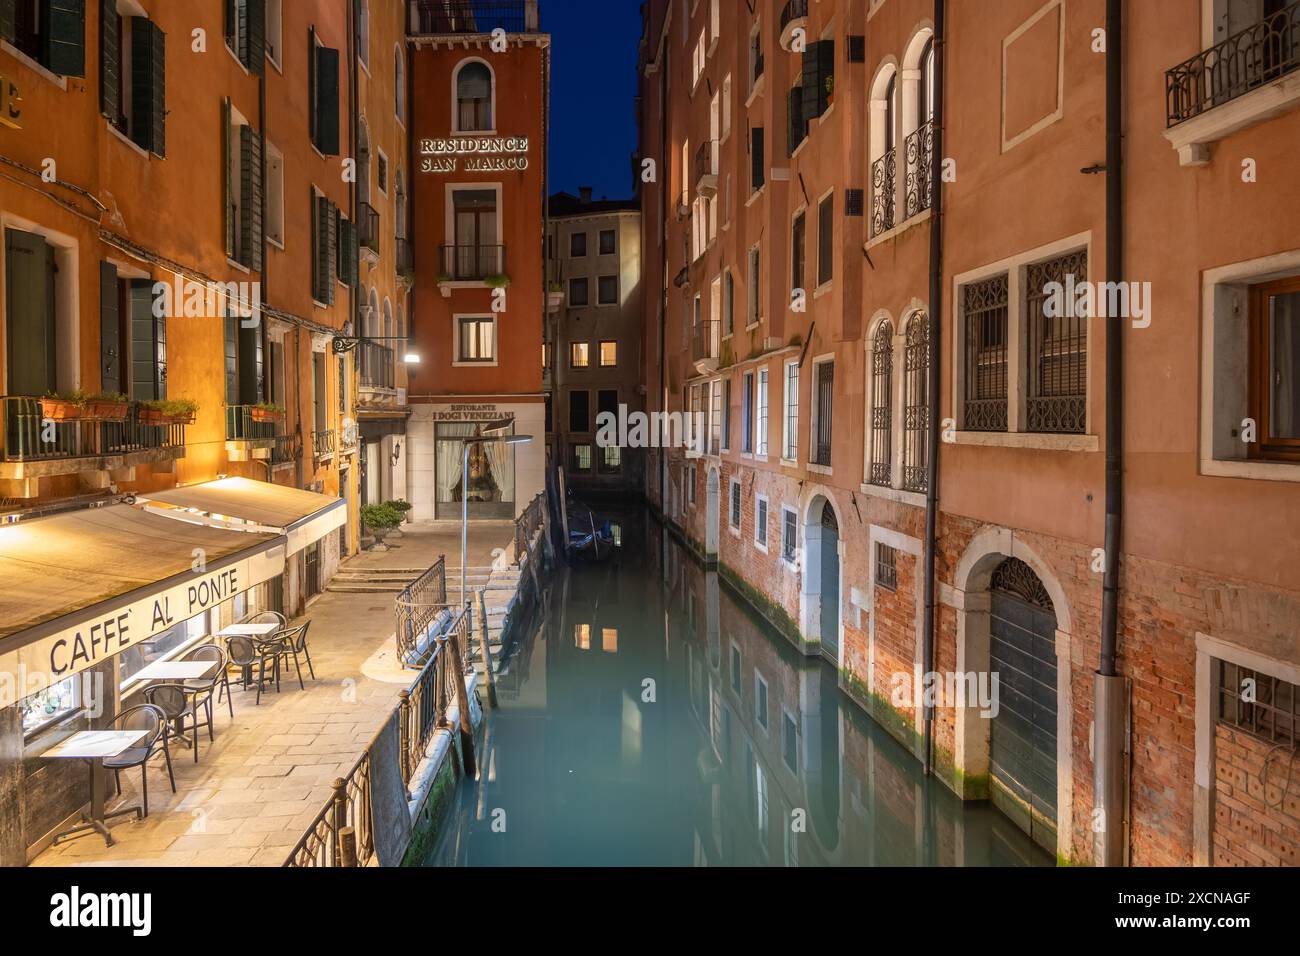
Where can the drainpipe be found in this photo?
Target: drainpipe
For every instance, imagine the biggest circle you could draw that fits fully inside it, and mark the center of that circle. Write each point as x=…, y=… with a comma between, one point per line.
x=932, y=384
x=1110, y=690
x=663, y=294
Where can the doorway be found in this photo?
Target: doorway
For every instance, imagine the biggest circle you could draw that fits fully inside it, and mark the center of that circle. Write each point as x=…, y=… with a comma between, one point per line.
x=830, y=584
x=713, y=516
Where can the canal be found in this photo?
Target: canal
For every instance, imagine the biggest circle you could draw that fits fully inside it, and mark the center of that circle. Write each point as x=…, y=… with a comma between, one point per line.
x=647, y=717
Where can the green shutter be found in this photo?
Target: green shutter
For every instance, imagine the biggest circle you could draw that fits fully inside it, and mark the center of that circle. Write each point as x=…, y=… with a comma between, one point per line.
x=231, y=342
x=327, y=101
x=110, y=331
x=331, y=216
x=255, y=37
x=230, y=19
x=347, y=264
x=758, y=166
x=311, y=83
x=9, y=20
x=250, y=198
x=227, y=183
x=64, y=29
x=148, y=81
x=241, y=15
x=110, y=59
x=29, y=290
x=147, y=372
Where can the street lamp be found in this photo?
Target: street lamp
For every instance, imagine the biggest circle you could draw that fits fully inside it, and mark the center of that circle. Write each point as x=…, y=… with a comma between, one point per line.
x=347, y=343
x=468, y=443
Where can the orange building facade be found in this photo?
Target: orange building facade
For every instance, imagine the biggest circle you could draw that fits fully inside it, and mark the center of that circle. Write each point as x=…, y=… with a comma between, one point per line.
x=789, y=224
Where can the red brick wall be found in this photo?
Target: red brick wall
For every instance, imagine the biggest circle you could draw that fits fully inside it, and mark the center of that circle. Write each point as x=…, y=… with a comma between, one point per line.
x=1254, y=824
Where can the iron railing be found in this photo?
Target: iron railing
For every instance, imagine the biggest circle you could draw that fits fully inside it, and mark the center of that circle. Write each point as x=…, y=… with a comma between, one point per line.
x=825, y=391
x=916, y=407
x=527, y=525
x=473, y=263
x=473, y=16
x=242, y=425
x=706, y=340
x=27, y=435
x=405, y=258
x=1057, y=393
x=417, y=607
x=322, y=443
x=918, y=150
x=368, y=227
x=706, y=159
x=1245, y=61
x=884, y=173
x=880, y=467
x=375, y=365
x=985, y=305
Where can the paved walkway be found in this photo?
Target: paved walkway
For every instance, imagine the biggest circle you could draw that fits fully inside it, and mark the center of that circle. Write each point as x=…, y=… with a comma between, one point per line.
x=257, y=788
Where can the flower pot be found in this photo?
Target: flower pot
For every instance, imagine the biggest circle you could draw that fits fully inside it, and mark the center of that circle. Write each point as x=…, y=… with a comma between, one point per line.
x=181, y=418
x=264, y=415
x=60, y=409
x=154, y=416
x=107, y=411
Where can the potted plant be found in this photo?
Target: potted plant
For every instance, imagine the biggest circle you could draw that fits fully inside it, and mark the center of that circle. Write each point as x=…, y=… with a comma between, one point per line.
x=267, y=412
x=154, y=412
x=554, y=297
x=107, y=406
x=181, y=411
x=380, y=520
x=498, y=281
x=63, y=406
x=403, y=508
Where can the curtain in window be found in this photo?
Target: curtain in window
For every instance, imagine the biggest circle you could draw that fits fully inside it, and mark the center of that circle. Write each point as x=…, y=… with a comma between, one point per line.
x=501, y=461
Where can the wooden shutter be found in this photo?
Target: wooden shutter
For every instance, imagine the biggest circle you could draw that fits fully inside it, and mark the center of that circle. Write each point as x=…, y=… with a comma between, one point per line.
x=64, y=30
x=241, y=23
x=228, y=186
x=232, y=15
x=311, y=83
x=110, y=59
x=811, y=81
x=758, y=166
x=255, y=36
x=148, y=82
x=331, y=247
x=347, y=259
x=9, y=20
x=327, y=100
x=231, y=343
x=794, y=113
x=251, y=373
x=325, y=215
x=250, y=198
x=148, y=352
x=29, y=288
x=110, y=331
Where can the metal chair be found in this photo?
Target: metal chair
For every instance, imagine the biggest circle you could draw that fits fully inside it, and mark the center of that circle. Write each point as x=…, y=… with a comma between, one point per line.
x=182, y=711
x=217, y=678
x=149, y=718
x=295, y=643
x=247, y=653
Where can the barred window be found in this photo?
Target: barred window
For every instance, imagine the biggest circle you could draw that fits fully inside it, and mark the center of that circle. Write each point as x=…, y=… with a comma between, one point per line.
x=735, y=504
x=886, y=567
x=790, y=447
x=1259, y=704
x=824, y=409
x=985, y=306
x=789, y=534
x=916, y=414
x=880, y=471
x=1056, y=400
x=760, y=522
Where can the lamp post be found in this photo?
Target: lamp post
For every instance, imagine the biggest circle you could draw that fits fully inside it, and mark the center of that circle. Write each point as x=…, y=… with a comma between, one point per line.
x=485, y=438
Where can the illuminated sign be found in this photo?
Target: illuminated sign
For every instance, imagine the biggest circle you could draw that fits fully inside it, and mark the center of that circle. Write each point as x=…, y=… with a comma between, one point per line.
x=9, y=100
x=474, y=154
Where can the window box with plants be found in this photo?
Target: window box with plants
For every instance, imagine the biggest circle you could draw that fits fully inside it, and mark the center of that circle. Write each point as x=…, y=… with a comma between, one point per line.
x=107, y=407
x=179, y=411
x=554, y=297
x=497, y=281
x=63, y=406
x=266, y=412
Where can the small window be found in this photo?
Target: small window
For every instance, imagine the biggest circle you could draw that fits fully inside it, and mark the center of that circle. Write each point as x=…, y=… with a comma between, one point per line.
x=1275, y=369
x=886, y=567
x=789, y=742
x=755, y=288
x=747, y=413
x=363, y=32
x=474, y=98
x=399, y=84
x=579, y=354
x=577, y=245
x=760, y=522
x=608, y=354
x=728, y=303
x=826, y=240
x=274, y=195
x=760, y=440
x=579, y=292
x=789, y=535
x=760, y=702
x=582, y=458
x=607, y=291
x=797, y=246
x=733, y=515
x=735, y=669
x=274, y=32
x=608, y=242
x=382, y=170
x=611, y=459
x=477, y=339
x=692, y=480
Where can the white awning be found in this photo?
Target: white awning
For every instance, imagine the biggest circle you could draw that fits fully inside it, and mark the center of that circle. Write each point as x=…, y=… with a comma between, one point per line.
x=80, y=587
x=303, y=517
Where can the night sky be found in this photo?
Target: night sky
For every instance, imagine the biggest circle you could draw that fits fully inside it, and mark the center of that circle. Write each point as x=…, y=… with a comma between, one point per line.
x=593, y=86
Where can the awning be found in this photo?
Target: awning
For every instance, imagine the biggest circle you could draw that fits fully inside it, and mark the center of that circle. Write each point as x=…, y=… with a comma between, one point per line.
x=78, y=588
x=303, y=517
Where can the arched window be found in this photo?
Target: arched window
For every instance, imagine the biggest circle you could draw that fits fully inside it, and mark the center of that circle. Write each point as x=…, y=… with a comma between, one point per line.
x=916, y=128
x=474, y=97
x=891, y=113
x=925, y=99
x=399, y=219
x=880, y=470
x=372, y=315
x=399, y=83
x=388, y=323
x=916, y=409
x=883, y=136
x=363, y=161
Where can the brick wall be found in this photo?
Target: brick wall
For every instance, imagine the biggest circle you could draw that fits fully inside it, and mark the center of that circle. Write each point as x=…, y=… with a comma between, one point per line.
x=1255, y=824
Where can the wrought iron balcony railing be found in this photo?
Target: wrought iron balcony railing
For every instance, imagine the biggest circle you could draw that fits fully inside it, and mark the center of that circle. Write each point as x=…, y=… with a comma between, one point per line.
x=368, y=227
x=1244, y=62
x=473, y=263
x=405, y=257
x=706, y=342
x=286, y=449
x=919, y=151
x=884, y=173
x=322, y=443
x=28, y=435
x=247, y=423
x=375, y=365
x=432, y=17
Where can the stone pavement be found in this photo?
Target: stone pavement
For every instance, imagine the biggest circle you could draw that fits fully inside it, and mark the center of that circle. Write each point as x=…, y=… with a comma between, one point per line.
x=256, y=789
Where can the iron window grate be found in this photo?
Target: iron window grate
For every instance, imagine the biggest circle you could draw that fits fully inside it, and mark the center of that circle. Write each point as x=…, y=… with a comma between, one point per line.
x=886, y=567
x=855, y=202
x=857, y=48
x=1259, y=704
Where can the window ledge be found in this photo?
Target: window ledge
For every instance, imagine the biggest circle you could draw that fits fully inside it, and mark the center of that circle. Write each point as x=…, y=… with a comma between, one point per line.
x=1032, y=440
x=144, y=153
x=60, y=81
x=914, y=498
x=1253, y=469
x=754, y=196
x=789, y=463
x=275, y=242
x=755, y=91
x=1191, y=139
x=898, y=230
x=820, y=469
x=238, y=265
x=822, y=289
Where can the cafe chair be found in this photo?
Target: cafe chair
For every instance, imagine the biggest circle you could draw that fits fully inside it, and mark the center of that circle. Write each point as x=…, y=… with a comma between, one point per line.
x=295, y=643
x=183, y=712
x=217, y=678
x=247, y=653
x=149, y=718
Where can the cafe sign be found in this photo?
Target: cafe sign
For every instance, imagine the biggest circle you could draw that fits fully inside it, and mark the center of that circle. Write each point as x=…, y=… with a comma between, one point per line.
x=474, y=154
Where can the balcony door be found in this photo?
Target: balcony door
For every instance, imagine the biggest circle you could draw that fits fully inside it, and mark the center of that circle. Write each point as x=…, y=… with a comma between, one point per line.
x=29, y=314
x=476, y=237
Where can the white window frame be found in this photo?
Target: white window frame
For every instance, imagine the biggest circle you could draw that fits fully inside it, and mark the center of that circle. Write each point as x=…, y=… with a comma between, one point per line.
x=459, y=361
x=761, y=544
x=763, y=694
x=736, y=492
x=762, y=409
x=753, y=287
x=790, y=402
x=275, y=34
x=274, y=193
x=790, y=562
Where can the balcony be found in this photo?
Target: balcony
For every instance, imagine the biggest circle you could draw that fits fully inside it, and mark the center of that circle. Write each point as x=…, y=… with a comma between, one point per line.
x=322, y=444
x=375, y=365
x=435, y=17
x=918, y=149
x=472, y=263
x=406, y=259
x=33, y=446
x=706, y=345
x=368, y=229
x=253, y=434
x=706, y=168
x=1246, y=79
x=884, y=179
x=794, y=16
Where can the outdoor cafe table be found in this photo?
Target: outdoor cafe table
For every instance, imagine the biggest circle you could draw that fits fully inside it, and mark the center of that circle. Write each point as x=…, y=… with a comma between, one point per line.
x=174, y=670
x=93, y=746
x=249, y=630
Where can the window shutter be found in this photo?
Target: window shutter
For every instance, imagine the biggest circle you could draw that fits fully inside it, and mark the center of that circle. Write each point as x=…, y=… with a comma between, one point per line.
x=9, y=20
x=311, y=83
x=231, y=342
x=148, y=76
x=758, y=168
x=825, y=73
x=794, y=111
x=250, y=191
x=64, y=29
x=110, y=331
x=327, y=101
x=347, y=261
x=332, y=247
x=811, y=81
x=147, y=356
x=316, y=243
x=29, y=295
x=255, y=36
x=159, y=341
x=110, y=59
x=228, y=186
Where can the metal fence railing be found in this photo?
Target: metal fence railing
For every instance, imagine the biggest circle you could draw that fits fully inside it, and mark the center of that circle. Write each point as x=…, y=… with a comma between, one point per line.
x=527, y=525
x=27, y=434
x=473, y=16
x=418, y=607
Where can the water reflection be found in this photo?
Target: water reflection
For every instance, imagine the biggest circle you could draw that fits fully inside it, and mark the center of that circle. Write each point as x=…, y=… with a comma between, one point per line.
x=648, y=718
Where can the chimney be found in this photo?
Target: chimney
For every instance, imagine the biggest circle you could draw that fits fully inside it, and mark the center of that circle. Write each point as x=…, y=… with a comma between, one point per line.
x=584, y=195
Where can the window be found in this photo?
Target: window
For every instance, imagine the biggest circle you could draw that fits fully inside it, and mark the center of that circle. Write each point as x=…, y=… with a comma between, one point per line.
x=579, y=410
x=51, y=32
x=323, y=96
x=581, y=458
x=608, y=242
x=796, y=121
x=382, y=171
x=132, y=90
x=790, y=442
x=608, y=354
x=755, y=57
x=733, y=513
x=579, y=354
x=916, y=415
x=726, y=414
x=797, y=253
x=823, y=410
x=715, y=418
x=1057, y=385
x=274, y=195
x=698, y=58
x=476, y=340
x=760, y=522
x=886, y=567
x=884, y=161
x=755, y=288
x=726, y=107
x=324, y=230
x=49, y=706
x=747, y=413
x=728, y=303
x=789, y=744
x=1275, y=369
x=399, y=85
x=577, y=245
x=244, y=39
x=735, y=669
x=579, y=292
x=1270, y=713
x=692, y=480
x=474, y=95
x=985, y=311
x=607, y=290
x=826, y=240
x=760, y=447
x=345, y=259
x=760, y=701
x=606, y=403
x=758, y=168
x=611, y=459
x=789, y=535
x=363, y=32
x=881, y=423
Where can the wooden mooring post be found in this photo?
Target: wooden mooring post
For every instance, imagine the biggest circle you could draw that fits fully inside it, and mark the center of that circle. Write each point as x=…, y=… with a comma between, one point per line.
x=489, y=669
x=457, y=663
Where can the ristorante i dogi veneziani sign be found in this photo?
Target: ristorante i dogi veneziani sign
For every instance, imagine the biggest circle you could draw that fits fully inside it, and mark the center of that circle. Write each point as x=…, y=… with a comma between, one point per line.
x=474, y=154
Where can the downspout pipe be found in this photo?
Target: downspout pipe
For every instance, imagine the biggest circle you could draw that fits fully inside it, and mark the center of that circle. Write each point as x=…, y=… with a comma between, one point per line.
x=932, y=377
x=663, y=295
x=1110, y=730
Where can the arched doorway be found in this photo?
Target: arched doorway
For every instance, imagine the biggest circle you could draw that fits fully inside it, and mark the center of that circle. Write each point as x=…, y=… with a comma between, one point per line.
x=819, y=611
x=713, y=515
x=830, y=584
x=1023, y=733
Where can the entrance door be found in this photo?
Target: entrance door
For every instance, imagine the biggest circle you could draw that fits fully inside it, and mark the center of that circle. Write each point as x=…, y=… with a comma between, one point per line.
x=311, y=565
x=1022, y=745
x=476, y=234
x=29, y=284
x=830, y=584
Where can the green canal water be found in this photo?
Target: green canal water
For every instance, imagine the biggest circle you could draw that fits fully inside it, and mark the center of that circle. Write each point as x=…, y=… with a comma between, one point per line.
x=648, y=718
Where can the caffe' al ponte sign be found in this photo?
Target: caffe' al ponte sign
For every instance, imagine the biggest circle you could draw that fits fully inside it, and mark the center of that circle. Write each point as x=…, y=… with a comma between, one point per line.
x=474, y=154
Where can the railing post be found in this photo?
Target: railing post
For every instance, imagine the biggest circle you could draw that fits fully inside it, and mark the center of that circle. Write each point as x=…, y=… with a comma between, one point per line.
x=462, y=702
x=404, y=734
x=340, y=816
x=348, y=847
